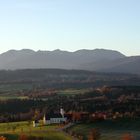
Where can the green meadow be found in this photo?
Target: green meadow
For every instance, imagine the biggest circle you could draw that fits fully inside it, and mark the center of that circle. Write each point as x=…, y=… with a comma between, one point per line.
x=12, y=131
x=72, y=91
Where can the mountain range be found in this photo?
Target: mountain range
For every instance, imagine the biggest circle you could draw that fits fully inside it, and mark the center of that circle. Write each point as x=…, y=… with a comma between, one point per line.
x=94, y=60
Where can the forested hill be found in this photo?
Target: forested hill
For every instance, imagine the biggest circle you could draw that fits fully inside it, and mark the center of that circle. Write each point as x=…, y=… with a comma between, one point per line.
x=66, y=78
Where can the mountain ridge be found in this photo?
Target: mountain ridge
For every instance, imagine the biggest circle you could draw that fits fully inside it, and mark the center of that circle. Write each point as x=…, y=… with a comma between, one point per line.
x=95, y=60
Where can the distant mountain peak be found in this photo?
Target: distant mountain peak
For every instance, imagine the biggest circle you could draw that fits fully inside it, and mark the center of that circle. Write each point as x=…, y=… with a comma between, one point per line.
x=57, y=50
x=17, y=51
x=26, y=50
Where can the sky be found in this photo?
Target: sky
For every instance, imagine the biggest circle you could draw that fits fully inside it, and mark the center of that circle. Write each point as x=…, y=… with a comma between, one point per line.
x=70, y=25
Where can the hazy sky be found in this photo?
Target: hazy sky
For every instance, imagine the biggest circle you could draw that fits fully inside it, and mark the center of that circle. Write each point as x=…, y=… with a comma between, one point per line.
x=70, y=25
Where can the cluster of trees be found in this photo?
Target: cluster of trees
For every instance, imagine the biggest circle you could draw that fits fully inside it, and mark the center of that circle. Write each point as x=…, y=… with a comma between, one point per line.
x=19, y=110
x=39, y=93
x=110, y=100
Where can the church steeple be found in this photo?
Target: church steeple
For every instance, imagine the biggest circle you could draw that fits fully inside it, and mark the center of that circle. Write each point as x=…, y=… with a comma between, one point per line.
x=44, y=120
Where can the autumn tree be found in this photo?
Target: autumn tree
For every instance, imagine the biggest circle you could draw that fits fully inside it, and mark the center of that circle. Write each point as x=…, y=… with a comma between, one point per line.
x=94, y=134
x=23, y=137
x=2, y=138
x=127, y=137
x=76, y=116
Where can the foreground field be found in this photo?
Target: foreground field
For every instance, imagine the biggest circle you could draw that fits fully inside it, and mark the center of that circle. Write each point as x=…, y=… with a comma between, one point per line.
x=110, y=129
x=13, y=131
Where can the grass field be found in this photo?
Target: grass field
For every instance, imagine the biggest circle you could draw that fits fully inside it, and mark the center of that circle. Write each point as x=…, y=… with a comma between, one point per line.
x=13, y=130
x=5, y=88
x=110, y=130
x=10, y=97
x=72, y=91
x=12, y=91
